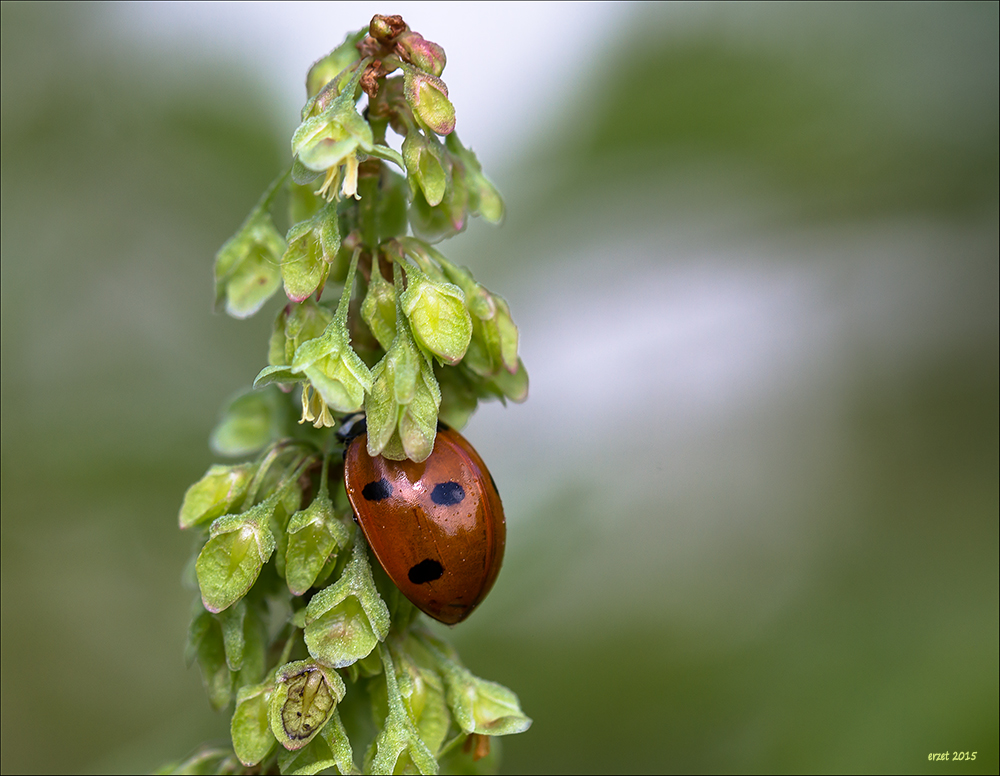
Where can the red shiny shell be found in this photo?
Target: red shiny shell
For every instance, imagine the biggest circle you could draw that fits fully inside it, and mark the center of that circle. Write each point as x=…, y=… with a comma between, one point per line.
x=436, y=527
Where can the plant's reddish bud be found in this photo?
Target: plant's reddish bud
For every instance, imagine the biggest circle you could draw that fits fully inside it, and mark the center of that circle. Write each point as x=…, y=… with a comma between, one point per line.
x=424, y=54
x=427, y=96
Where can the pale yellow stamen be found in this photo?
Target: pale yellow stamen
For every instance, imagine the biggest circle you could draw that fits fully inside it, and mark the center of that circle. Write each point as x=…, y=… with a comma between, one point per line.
x=307, y=414
x=329, y=187
x=350, y=188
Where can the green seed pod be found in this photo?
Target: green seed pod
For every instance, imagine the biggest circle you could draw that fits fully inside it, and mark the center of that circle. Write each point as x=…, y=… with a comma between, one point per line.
x=345, y=621
x=312, y=248
x=425, y=167
x=438, y=317
x=329, y=362
x=327, y=140
x=232, y=558
x=250, y=727
x=215, y=494
x=314, y=536
x=421, y=53
x=478, y=706
x=304, y=699
x=247, y=267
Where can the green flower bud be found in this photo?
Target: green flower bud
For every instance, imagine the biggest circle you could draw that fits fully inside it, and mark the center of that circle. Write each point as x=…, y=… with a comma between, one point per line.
x=398, y=748
x=438, y=318
x=379, y=308
x=312, y=247
x=427, y=96
x=326, y=69
x=423, y=54
x=329, y=363
x=479, y=706
x=215, y=494
x=231, y=560
x=425, y=167
x=402, y=405
x=314, y=536
x=333, y=137
x=294, y=325
x=331, y=748
x=333, y=368
x=304, y=698
x=246, y=267
x=251, y=727
x=345, y=621
x=249, y=423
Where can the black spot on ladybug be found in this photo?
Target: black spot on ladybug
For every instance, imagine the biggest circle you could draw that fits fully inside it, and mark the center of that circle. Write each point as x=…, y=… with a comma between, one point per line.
x=376, y=491
x=447, y=494
x=426, y=571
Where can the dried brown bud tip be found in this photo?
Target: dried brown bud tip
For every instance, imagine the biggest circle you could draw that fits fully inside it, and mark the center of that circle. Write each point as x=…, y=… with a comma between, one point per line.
x=385, y=28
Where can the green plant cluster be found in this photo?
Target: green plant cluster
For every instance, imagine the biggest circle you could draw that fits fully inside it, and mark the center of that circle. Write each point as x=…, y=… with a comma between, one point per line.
x=325, y=664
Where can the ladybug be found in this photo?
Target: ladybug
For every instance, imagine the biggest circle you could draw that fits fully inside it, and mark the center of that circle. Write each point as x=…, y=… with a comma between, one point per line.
x=436, y=527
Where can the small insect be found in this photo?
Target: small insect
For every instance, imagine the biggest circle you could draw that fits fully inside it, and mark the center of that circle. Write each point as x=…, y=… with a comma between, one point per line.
x=436, y=527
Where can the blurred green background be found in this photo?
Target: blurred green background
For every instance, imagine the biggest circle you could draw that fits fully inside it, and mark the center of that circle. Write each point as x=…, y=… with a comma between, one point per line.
x=753, y=498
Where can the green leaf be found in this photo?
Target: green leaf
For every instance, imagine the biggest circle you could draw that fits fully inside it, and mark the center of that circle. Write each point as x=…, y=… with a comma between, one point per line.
x=275, y=375
x=232, y=558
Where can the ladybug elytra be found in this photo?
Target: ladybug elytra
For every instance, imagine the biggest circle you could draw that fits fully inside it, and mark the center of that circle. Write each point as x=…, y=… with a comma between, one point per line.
x=436, y=527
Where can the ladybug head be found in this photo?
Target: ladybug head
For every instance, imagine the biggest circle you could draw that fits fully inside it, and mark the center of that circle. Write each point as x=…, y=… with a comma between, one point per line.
x=352, y=427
